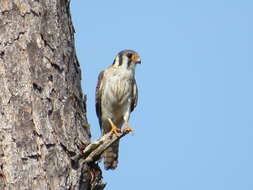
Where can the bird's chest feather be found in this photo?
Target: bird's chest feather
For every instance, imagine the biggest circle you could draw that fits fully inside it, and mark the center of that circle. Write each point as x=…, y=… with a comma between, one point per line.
x=117, y=92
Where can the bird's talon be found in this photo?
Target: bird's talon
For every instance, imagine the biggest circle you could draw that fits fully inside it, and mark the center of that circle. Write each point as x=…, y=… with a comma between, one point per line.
x=115, y=130
x=128, y=129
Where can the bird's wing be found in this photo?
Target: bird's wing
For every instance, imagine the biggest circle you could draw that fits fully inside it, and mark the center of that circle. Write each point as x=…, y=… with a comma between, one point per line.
x=99, y=90
x=134, y=95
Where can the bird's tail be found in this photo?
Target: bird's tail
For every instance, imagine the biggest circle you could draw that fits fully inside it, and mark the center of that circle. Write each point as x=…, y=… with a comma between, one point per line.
x=111, y=156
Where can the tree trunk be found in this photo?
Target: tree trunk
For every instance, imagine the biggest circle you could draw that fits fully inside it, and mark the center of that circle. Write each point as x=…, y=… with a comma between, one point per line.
x=43, y=120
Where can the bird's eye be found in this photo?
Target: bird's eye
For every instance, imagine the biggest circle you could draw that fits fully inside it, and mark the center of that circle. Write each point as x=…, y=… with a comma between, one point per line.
x=129, y=55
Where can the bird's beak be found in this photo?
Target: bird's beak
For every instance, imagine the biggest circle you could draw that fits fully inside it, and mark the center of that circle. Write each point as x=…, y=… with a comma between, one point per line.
x=136, y=59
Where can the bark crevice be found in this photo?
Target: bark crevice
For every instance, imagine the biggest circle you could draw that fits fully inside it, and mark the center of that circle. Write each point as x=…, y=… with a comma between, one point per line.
x=43, y=122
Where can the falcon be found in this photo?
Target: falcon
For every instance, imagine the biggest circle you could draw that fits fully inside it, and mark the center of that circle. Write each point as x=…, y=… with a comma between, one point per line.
x=116, y=98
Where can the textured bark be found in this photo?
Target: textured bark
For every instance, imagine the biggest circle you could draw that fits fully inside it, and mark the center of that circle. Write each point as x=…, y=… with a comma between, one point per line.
x=42, y=109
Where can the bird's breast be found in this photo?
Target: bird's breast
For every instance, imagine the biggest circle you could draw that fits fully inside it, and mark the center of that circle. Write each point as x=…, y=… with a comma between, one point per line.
x=117, y=91
x=116, y=96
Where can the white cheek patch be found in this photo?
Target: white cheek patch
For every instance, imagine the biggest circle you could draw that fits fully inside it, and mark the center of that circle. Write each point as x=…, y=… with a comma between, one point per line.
x=124, y=62
x=116, y=61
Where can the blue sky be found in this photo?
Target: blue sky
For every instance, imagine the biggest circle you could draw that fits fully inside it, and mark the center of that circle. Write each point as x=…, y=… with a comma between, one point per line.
x=193, y=124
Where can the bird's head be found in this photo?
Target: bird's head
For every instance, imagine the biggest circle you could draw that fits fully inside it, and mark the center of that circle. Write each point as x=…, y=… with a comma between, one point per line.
x=127, y=59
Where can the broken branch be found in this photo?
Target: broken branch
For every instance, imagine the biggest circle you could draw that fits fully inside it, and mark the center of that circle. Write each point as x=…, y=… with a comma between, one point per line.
x=93, y=151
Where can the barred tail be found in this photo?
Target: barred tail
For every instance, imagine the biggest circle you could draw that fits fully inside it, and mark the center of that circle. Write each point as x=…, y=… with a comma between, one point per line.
x=111, y=156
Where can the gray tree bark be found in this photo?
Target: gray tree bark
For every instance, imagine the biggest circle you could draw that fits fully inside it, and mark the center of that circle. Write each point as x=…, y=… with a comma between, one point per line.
x=43, y=120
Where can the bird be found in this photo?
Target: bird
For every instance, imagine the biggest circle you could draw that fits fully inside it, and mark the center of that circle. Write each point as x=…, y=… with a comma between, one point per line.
x=116, y=98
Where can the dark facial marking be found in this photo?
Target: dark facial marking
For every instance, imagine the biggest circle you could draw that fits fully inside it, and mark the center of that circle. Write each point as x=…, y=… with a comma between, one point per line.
x=129, y=55
x=120, y=59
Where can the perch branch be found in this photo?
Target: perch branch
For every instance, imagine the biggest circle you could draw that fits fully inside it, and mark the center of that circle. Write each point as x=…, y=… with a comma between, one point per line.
x=93, y=151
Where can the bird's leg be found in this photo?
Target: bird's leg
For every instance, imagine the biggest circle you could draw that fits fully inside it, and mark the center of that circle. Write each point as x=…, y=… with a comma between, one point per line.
x=114, y=129
x=127, y=128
